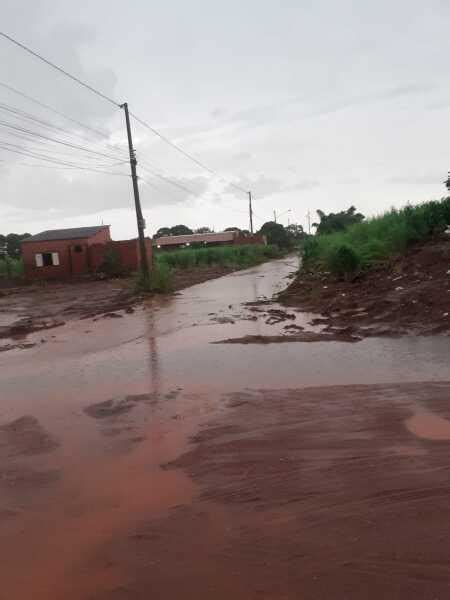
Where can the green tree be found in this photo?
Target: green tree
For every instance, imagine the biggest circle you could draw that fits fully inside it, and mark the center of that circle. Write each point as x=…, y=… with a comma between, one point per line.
x=180, y=230
x=203, y=230
x=337, y=221
x=275, y=234
x=295, y=232
x=162, y=231
x=11, y=243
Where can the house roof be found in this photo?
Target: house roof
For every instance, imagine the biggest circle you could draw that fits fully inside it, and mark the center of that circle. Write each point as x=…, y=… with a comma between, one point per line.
x=65, y=234
x=195, y=238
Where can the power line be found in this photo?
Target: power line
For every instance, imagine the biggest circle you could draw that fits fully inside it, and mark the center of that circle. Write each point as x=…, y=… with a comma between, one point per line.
x=186, y=154
x=54, y=110
x=51, y=64
x=168, y=180
x=89, y=129
x=118, y=105
x=56, y=141
x=24, y=152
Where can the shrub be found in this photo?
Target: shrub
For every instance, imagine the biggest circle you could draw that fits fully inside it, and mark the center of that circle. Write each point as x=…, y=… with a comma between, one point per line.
x=159, y=280
x=342, y=260
x=376, y=240
x=231, y=256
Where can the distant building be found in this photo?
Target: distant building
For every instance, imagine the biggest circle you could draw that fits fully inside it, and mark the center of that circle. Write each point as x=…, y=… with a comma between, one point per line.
x=224, y=238
x=65, y=253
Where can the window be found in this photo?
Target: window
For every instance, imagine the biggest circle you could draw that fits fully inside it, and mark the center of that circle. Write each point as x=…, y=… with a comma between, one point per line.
x=78, y=249
x=47, y=259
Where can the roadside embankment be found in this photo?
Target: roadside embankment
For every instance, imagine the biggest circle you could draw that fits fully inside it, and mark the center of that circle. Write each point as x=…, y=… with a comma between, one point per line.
x=408, y=295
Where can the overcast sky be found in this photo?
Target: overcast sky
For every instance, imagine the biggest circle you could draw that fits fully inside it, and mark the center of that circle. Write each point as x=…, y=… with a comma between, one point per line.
x=308, y=103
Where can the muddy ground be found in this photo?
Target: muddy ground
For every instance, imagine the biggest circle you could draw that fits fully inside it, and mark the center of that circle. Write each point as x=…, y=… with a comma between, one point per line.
x=39, y=307
x=409, y=296
x=144, y=460
x=336, y=492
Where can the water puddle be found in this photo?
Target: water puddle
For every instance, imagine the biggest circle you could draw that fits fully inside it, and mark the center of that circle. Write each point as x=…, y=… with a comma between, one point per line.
x=429, y=426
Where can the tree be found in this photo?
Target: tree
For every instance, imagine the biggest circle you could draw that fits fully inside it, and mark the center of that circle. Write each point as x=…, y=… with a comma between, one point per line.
x=232, y=229
x=337, y=221
x=203, y=230
x=176, y=230
x=11, y=244
x=180, y=230
x=295, y=232
x=162, y=231
x=275, y=234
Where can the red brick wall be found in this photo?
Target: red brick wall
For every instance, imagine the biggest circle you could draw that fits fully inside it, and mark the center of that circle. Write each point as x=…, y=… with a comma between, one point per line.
x=128, y=253
x=62, y=271
x=255, y=238
x=127, y=250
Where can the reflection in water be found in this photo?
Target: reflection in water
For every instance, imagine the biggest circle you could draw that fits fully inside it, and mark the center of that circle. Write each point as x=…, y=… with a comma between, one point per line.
x=429, y=426
x=154, y=367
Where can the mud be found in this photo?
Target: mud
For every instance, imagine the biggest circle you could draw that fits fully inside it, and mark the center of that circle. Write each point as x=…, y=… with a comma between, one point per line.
x=234, y=471
x=114, y=407
x=305, y=337
x=303, y=494
x=25, y=436
x=409, y=296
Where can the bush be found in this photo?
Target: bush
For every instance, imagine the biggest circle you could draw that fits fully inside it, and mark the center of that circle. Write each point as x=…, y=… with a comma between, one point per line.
x=374, y=241
x=230, y=256
x=11, y=268
x=111, y=265
x=342, y=260
x=160, y=280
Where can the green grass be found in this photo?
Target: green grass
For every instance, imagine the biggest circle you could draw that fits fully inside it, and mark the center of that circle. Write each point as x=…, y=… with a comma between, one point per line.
x=11, y=268
x=376, y=240
x=230, y=256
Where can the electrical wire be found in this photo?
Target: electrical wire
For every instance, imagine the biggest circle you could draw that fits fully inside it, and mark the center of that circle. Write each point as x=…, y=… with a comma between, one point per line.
x=35, y=155
x=186, y=154
x=72, y=133
x=51, y=64
x=110, y=100
x=167, y=180
x=54, y=110
x=56, y=141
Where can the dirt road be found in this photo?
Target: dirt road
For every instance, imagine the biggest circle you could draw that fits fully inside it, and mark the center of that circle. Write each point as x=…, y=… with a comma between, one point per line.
x=138, y=459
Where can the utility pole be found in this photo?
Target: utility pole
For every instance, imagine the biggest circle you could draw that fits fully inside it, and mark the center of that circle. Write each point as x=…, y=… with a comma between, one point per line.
x=250, y=211
x=275, y=216
x=308, y=216
x=137, y=202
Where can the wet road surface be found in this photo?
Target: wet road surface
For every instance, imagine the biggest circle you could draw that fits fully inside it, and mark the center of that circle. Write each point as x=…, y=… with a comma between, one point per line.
x=113, y=400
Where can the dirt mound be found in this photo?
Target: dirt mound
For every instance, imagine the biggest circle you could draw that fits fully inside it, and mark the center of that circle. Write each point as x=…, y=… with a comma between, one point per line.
x=25, y=436
x=409, y=296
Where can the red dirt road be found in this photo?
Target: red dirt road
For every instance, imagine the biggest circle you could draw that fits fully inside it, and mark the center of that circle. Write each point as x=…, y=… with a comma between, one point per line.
x=142, y=460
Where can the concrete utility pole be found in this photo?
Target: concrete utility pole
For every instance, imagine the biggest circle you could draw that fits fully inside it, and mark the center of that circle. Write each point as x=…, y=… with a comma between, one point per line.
x=250, y=211
x=308, y=216
x=137, y=202
x=275, y=216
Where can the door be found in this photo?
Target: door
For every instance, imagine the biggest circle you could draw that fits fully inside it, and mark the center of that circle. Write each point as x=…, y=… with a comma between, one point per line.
x=79, y=259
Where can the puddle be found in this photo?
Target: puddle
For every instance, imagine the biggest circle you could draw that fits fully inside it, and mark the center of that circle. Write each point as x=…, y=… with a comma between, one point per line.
x=428, y=426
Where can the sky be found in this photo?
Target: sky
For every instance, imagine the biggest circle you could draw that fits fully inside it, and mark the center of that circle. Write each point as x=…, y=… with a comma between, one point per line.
x=311, y=104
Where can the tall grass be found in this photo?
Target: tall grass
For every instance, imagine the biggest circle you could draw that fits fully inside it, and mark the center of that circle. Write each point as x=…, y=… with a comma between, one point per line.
x=230, y=256
x=11, y=268
x=374, y=241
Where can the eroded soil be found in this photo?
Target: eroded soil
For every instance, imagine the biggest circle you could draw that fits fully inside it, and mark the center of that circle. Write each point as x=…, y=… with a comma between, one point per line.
x=28, y=309
x=410, y=296
x=313, y=493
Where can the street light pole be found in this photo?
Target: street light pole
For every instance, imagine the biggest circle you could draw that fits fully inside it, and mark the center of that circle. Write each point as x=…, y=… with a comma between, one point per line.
x=137, y=201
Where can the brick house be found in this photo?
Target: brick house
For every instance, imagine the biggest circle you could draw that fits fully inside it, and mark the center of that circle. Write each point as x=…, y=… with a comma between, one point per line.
x=65, y=253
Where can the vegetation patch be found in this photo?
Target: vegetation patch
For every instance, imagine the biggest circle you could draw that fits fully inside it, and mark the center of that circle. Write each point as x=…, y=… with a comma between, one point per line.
x=370, y=243
x=230, y=256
